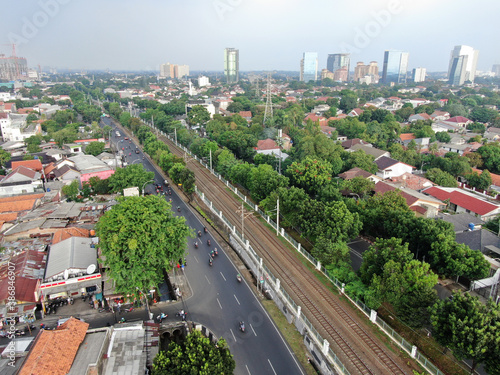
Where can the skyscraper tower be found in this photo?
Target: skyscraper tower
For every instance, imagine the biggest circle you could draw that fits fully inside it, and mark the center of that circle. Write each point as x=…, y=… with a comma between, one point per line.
x=309, y=67
x=463, y=61
x=338, y=61
x=395, y=67
x=231, y=65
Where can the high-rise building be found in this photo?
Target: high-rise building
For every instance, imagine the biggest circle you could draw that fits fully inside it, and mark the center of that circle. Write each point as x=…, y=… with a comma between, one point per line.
x=309, y=67
x=369, y=73
x=395, y=67
x=463, y=61
x=338, y=61
x=418, y=74
x=12, y=68
x=496, y=69
x=232, y=65
x=182, y=71
x=173, y=70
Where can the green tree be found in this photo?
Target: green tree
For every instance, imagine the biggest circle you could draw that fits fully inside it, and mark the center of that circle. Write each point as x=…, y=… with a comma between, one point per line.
x=240, y=143
x=329, y=252
x=99, y=186
x=72, y=190
x=264, y=180
x=139, y=239
x=359, y=185
x=183, y=177
x=94, y=148
x=198, y=115
x=360, y=159
x=65, y=135
x=491, y=156
x=441, y=178
x=443, y=137
x=310, y=174
x=482, y=114
x=130, y=176
x=468, y=327
x=195, y=355
x=479, y=181
x=381, y=252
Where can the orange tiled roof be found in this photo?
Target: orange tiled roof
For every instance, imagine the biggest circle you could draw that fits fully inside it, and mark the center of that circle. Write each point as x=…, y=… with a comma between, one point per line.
x=49, y=168
x=266, y=144
x=22, y=197
x=54, y=351
x=36, y=164
x=17, y=206
x=406, y=136
x=65, y=233
x=11, y=216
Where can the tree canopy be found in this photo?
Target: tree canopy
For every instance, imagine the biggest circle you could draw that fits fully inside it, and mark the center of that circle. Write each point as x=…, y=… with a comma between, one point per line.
x=139, y=238
x=130, y=176
x=195, y=355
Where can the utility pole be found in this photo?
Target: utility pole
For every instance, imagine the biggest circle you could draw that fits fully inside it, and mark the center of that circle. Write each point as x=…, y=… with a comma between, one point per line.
x=279, y=141
x=268, y=114
x=278, y=217
x=211, y=161
x=243, y=216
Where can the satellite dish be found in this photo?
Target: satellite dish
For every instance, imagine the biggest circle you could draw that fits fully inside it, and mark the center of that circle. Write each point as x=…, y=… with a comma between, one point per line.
x=91, y=269
x=66, y=274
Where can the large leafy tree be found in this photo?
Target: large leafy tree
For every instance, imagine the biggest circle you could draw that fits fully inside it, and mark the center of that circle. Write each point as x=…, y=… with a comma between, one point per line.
x=310, y=174
x=198, y=115
x=139, y=238
x=264, y=180
x=441, y=178
x=195, y=355
x=94, y=148
x=239, y=142
x=361, y=160
x=491, y=156
x=468, y=327
x=130, y=176
x=381, y=252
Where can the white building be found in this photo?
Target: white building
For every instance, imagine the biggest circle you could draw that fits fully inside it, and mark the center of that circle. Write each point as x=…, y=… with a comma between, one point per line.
x=463, y=61
x=203, y=81
x=419, y=74
x=15, y=128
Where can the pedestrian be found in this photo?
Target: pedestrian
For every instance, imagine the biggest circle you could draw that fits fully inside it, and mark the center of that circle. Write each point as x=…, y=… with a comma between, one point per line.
x=119, y=307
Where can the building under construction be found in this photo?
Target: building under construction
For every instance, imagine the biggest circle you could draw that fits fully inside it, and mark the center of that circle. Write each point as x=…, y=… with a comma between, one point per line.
x=13, y=68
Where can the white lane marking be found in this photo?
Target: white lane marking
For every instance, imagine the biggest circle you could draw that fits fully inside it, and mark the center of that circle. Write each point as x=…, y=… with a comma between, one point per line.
x=270, y=364
x=207, y=279
x=248, y=370
x=196, y=259
x=223, y=276
x=234, y=337
x=237, y=300
x=219, y=303
x=253, y=330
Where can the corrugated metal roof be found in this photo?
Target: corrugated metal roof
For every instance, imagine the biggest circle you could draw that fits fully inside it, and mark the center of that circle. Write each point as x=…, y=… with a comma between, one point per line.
x=74, y=252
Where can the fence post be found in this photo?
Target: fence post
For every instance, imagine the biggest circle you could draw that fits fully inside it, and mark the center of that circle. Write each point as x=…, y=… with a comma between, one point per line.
x=342, y=289
x=299, y=247
x=326, y=346
x=373, y=316
x=413, y=351
x=318, y=265
x=278, y=285
x=299, y=309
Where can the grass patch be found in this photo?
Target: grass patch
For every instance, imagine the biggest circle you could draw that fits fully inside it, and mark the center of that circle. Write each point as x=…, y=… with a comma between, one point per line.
x=291, y=335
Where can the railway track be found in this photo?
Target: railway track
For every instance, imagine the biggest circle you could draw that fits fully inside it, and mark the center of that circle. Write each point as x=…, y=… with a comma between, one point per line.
x=359, y=351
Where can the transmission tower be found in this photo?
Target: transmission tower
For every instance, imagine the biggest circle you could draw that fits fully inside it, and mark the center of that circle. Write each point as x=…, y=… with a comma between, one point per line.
x=268, y=114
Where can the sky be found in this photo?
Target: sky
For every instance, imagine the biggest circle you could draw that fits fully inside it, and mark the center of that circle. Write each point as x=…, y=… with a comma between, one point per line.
x=270, y=34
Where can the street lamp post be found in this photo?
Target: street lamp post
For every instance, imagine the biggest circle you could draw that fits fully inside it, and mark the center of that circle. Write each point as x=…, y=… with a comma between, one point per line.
x=147, y=182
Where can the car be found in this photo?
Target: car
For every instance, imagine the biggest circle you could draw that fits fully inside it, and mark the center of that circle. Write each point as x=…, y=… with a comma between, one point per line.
x=126, y=138
x=158, y=186
x=136, y=151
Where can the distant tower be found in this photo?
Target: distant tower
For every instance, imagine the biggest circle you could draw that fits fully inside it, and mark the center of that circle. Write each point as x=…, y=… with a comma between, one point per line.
x=395, y=67
x=232, y=65
x=463, y=61
x=268, y=114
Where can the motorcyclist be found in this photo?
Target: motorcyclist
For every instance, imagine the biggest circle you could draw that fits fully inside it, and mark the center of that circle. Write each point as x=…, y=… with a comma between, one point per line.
x=205, y=229
x=196, y=244
x=208, y=242
x=242, y=326
x=199, y=233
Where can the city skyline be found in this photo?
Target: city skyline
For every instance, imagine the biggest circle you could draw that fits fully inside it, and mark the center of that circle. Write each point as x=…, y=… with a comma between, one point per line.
x=121, y=35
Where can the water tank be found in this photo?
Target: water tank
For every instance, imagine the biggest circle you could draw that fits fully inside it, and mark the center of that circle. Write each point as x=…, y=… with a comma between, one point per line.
x=471, y=226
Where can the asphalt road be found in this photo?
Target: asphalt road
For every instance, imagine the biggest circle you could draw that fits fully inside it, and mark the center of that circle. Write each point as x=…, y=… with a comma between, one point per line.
x=219, y=301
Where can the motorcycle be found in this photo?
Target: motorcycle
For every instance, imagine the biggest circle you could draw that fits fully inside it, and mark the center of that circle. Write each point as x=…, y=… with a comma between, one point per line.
x=205, y=229
x=208, y=242
x=196, y=245
x=178, y=209
x=199, y=233
x=210, y=262
x=242, y=326
x=238, y=277
x=161, y=317
x=182, y=314
x=122, y=320
x=216, y=252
